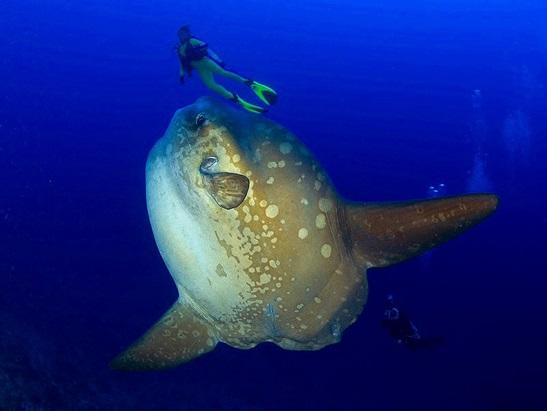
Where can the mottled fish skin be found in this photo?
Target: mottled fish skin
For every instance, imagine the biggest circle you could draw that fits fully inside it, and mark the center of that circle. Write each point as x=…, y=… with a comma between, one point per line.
x=260, y=245
x=279, y=253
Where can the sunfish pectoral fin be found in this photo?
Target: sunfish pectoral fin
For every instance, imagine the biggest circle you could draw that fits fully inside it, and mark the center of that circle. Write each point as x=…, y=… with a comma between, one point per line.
x=227, y=189
x=179, y=336
x=385, y=234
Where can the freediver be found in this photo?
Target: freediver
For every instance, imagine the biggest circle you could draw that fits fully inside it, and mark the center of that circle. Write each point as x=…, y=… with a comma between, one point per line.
x=194, y=54
x=403, y=330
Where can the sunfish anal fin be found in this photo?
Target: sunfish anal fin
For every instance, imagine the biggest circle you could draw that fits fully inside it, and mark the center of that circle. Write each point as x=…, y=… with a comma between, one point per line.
x=179, y=336
x=385, y=234
x=227, y=189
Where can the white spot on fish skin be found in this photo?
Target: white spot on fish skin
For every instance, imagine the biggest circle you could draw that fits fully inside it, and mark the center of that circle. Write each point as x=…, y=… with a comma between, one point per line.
x=302, y=233
x=281, y=164
x=285, y=148
x=236, y=158
x=272, y=164
x=325, y=205
x=263, y=203
x=317, y=300
x=272, y=211
x=270, y=180
x=321, y=221
x=304, y=201
x=326, y=250
x=265, y=278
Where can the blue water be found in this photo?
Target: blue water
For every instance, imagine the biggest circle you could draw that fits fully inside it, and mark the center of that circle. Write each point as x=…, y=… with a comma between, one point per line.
x=392, y=97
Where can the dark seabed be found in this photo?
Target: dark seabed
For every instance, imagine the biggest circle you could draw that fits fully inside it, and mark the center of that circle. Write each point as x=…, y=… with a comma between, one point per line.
x=394, y=98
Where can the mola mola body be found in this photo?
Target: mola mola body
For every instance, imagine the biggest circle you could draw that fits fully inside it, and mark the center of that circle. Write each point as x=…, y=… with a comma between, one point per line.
x=260, y=245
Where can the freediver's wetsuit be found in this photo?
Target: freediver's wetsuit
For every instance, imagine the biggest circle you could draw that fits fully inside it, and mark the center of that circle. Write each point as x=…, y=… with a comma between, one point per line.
x=401, y=328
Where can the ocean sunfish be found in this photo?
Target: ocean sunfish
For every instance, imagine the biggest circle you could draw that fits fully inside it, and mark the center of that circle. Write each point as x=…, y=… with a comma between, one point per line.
x=260, y=245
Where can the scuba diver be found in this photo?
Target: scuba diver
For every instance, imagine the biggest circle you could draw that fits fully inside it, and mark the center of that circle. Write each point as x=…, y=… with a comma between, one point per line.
x=194, y=54
x=403, y=330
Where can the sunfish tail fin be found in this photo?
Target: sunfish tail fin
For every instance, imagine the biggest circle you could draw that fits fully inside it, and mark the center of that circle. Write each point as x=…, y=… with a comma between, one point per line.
x=385, y=234
x=179, y=336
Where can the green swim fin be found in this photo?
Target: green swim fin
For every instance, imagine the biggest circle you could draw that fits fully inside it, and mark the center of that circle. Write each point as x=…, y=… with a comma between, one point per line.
x=248, y=106
x=264, y=93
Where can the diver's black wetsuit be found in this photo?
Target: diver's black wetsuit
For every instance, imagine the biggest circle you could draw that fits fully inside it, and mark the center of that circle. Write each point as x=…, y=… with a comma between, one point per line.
x=401, y=328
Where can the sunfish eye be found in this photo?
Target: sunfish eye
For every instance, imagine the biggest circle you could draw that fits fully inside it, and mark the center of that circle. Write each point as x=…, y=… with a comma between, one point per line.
x=207, y=164
x=201, y=119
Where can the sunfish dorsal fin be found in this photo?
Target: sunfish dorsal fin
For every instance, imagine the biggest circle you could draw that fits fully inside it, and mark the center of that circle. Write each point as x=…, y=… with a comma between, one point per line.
x=228, y=189
x=385, y=234
x=179, y=336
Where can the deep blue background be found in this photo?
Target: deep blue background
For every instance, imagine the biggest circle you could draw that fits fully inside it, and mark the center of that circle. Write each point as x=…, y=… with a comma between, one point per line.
x=382, y=94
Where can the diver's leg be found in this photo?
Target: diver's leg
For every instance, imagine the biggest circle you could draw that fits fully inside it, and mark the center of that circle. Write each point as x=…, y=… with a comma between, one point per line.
x=208, y=79
x=217, y=69
x=264, y=93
